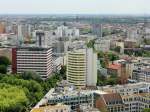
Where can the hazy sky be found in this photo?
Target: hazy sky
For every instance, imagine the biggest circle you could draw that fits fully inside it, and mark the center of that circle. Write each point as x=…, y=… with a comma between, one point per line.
x=75, y=6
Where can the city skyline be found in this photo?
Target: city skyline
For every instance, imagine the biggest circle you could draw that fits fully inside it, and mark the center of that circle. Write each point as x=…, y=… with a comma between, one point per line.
x=134, y=7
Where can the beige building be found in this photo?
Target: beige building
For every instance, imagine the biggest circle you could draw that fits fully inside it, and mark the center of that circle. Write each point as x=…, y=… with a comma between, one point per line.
x=82, y=67
x=121, y=45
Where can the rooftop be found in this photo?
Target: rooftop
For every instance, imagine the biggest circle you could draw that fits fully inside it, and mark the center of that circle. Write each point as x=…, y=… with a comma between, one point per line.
x=114, y=66
x=50, y=107
x=112, y=97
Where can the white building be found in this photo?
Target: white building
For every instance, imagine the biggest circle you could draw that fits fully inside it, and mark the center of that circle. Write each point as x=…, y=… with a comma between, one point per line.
x=20, y=33
x=141, y=75
x=136, y=102
x=57, y=63
x=3, y=37
x=34, y=59
x=129, y=89
x=64, y=31
x=82, y=68
x=135, y=97
x=102, y=45
x=132, y=33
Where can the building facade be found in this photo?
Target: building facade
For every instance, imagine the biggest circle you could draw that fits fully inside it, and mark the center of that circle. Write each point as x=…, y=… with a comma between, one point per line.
x=34, y=59
x=102, y=45
x=141, y=75
x=82, y=67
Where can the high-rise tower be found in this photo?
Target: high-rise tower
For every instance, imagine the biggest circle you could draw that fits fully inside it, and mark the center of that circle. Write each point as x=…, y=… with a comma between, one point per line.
x=82, y=68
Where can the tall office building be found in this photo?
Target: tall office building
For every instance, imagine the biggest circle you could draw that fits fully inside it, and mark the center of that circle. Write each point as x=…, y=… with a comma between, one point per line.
x=82, y=68
x=35, y=59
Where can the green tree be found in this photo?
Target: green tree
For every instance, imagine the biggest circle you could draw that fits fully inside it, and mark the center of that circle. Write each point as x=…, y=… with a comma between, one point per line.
x=63, y=72
x=3, y=69
x=138, y=53
x=100, y=54
x=128, y=52
x=113, y=56
x=4, y=61
x=2, y=75
x=146, y=110
x=111, y=81
x=146, y=41
x=30, y=75
x=101, y=79
x=33, y=90
x=12, y=98
x=146, y=53
x=90, y=44
x=117, y=49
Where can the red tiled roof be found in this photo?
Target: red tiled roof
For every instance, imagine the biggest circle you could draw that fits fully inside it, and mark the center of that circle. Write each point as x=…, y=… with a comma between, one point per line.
x=114, y=66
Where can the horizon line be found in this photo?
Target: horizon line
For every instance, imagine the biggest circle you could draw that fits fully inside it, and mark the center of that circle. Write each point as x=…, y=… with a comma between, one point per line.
x=106, y=14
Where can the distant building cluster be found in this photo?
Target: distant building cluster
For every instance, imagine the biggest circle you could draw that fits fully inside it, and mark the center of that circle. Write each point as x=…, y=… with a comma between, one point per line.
x=107, y=64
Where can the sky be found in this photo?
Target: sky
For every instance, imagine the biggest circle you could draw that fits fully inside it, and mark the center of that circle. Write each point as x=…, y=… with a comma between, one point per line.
x=75, y=7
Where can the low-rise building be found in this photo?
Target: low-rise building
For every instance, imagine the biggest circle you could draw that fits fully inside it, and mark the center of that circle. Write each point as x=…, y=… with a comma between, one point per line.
x=132, y=97
x=111, y=102
x=102, y=45
x=52, y=108
x=136, y=102
x=72, y=98
x=121, y=45
x=141, y=75
x=114, y=69
x=127, y=89
x=141, y=70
